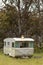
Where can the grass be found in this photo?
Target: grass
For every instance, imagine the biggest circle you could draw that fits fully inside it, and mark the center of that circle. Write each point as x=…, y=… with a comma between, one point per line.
x=6, y=60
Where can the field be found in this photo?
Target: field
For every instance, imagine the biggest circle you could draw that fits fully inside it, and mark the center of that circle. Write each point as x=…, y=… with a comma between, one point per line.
x=37, y=59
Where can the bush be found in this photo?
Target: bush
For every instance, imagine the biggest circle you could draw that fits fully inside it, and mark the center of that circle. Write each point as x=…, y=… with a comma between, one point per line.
x=1, y=45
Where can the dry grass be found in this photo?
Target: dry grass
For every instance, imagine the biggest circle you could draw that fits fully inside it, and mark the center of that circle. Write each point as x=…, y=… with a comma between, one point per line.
x=6, y=60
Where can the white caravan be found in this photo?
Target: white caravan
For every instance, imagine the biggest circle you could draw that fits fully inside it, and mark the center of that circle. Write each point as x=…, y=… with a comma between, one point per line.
x=19, y=46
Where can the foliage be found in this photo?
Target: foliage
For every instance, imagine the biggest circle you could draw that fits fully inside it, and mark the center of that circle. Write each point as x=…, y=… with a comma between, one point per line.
x=27, y=20
x=8, y=20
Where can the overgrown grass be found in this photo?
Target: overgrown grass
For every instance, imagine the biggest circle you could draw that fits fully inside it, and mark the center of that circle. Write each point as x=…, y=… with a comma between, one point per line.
x=6, y=60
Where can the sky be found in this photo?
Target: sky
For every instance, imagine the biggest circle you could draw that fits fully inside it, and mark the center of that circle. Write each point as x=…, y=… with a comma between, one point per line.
x=1, y=4
x=21, y=4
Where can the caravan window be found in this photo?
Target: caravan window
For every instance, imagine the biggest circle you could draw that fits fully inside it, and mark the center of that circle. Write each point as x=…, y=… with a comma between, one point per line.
x=21, y=44
x=17, y=44
x=24, y=44
x=12, y=44
x=31, y=44
x=4, y=43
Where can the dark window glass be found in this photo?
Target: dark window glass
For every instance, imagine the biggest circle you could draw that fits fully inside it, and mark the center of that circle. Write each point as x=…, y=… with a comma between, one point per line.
x=12, y=44
x=31, y=44
x=24, y=44
x=17, y=44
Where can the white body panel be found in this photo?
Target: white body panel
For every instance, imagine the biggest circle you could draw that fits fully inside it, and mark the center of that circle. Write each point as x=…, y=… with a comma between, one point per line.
x=19, y=51
x=24, y=51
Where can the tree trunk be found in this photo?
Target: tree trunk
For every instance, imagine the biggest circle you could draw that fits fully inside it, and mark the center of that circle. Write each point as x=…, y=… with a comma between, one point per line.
x=19, y=16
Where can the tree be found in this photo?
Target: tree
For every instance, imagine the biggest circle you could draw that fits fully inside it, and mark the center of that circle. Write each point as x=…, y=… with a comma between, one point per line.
x=19, y=15
x=8, y=21
x=29, y=17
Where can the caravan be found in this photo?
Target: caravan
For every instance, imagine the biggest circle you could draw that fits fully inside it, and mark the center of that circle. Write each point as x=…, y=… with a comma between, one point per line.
x=19, y=46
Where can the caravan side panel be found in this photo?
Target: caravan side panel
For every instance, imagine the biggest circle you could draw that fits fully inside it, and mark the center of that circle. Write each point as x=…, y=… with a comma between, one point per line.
x=24, y=51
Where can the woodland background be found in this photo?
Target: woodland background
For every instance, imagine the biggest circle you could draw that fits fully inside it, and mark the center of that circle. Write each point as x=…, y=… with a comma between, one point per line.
x=22, y=17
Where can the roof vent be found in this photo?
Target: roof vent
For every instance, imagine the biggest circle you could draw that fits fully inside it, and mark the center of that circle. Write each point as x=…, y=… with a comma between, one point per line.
x=22, y=36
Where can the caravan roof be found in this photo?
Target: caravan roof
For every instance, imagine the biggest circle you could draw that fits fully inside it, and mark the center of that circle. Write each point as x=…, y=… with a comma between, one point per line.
x=23, y=39
x=19, y=39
